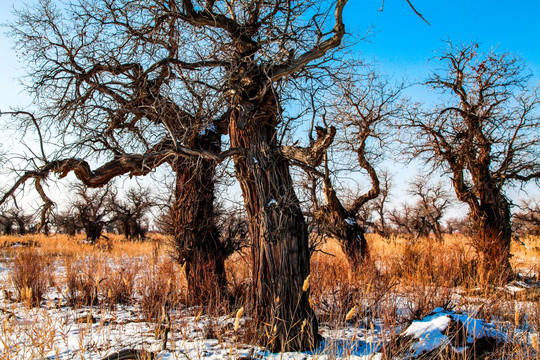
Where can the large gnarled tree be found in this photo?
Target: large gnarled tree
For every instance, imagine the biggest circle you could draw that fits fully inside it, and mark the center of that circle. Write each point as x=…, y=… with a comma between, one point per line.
x=362, y=106
x=484, y=134
x=109, y=79
x=149, y=82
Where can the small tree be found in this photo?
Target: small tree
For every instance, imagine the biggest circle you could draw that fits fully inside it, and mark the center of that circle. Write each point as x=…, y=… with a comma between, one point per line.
x=92, y=209
x=7, y=223
x=409, y=221
x=458, y=226
x=484, y=134
x=66, y=222
x=424, y=216
x=526, y=220
x=15, y=220
x=433, y=201
x=130, y=212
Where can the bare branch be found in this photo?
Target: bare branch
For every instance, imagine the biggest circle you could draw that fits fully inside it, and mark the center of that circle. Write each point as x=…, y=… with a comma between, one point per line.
x=35, y=122
x=316, y=52
x=312, y=155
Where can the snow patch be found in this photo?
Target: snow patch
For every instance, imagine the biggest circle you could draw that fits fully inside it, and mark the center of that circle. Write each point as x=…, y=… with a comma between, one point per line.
x=431, y=332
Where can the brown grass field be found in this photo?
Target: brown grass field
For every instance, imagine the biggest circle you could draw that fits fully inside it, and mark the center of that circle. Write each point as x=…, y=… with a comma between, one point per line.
x=402, y=282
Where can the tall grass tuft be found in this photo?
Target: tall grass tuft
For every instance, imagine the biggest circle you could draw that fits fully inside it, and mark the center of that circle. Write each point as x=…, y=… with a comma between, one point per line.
x=82, y=280
x=158, y=289
x=118, y=286
x=30, y=276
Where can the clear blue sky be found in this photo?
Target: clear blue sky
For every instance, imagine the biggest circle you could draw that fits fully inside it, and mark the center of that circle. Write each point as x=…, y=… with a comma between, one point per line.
x=398, y=40
x=402, y=43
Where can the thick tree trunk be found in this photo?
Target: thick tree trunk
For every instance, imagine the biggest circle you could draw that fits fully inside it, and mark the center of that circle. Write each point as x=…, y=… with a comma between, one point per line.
x=354, y=245
x=346, y=230
x=285, y=319
x=491, y=221
x=197, y=241
x=492, y=238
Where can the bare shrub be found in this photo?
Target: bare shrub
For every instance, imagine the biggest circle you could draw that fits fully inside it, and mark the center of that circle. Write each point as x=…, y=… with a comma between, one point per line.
x=30, y=276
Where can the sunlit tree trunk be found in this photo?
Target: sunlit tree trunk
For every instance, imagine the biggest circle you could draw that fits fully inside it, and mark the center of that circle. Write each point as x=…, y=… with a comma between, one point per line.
x=492, y=237
x=278, y=231
x=344, y=228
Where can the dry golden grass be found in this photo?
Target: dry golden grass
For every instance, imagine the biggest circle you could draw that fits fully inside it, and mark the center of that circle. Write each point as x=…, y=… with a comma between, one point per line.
x=526, y=256
x=426, y=273
x=64, y=245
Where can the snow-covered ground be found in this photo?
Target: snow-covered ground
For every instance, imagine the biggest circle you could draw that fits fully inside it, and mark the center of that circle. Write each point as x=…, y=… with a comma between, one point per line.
x=57, y=331
x=53, y=332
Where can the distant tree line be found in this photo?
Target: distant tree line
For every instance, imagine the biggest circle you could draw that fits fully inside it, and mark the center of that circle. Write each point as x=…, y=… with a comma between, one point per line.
x=92, y=212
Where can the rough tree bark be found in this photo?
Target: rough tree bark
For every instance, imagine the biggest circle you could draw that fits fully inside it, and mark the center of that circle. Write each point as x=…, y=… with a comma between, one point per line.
x=196, y=237
x=492, y=231
x=242, y=52
x=277, y=228
x=200, y=234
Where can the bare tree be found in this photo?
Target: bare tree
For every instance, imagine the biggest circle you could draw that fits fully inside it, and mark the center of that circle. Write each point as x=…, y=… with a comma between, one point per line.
x=7, y=223
x=92, y=209
x=458, y=226
x=433, y=201
x=132, y=105
x=424, y=216
x=374, y=215
x=139, y=81
x=66, y=222
x=362, y=106
x=130, y=212
x=15, y=220
x=407, y=220
x=484, y=134
x=23, y=220
x=526, y=221
x=234, y=228
x=268, y=47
